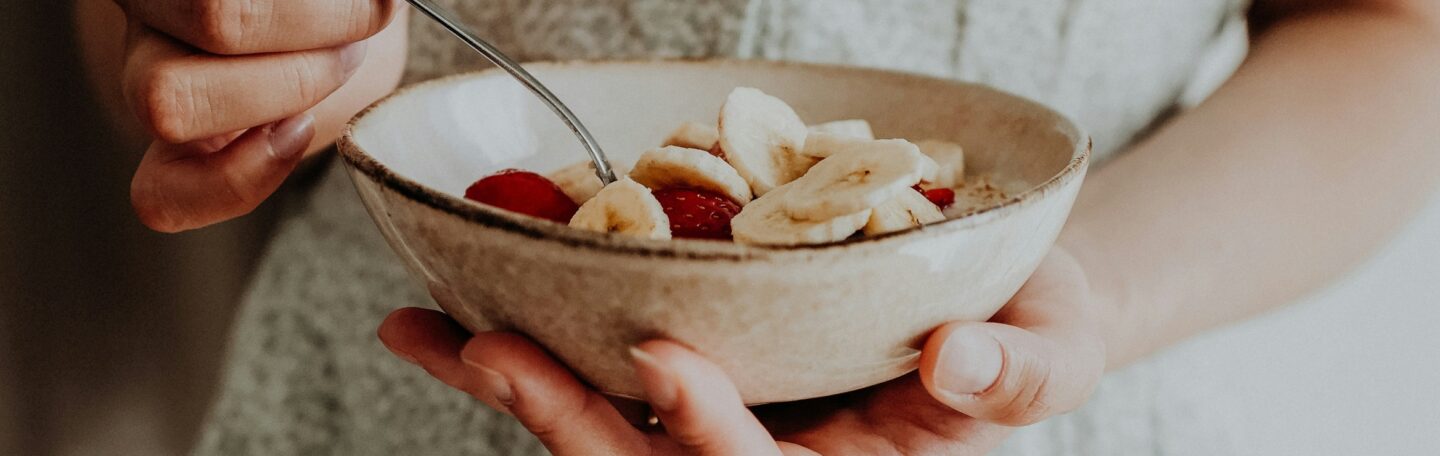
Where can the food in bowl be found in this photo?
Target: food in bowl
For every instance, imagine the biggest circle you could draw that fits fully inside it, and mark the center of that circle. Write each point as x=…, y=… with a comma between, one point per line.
x=761, y=177
x=786, y=323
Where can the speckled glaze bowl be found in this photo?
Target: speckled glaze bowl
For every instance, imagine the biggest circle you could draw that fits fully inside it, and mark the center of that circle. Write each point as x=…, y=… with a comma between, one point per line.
x=785, y=323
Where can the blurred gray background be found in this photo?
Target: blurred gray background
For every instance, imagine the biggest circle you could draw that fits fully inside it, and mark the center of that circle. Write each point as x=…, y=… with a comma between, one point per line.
x=110, y=335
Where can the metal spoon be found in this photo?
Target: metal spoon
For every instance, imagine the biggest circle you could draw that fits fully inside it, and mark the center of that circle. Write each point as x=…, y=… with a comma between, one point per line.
x=448, y=20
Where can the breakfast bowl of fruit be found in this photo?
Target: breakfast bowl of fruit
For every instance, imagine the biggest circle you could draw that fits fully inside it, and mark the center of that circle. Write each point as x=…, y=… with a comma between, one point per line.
x=803, y=226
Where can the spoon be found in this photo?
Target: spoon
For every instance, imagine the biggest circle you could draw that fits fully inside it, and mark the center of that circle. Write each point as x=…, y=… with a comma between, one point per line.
x=447, y=19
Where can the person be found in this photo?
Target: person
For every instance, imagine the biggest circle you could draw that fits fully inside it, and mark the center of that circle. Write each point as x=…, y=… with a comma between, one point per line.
x=1208, y=206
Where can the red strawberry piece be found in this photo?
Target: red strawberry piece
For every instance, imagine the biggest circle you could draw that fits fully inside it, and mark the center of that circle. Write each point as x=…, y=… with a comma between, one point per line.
x=524, y=192
x=717, y=151
x=697, y=214
x=942, y=197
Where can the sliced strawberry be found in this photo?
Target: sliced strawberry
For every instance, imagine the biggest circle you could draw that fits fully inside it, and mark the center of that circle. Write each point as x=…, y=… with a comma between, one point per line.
x=942, y=197
x=524, y=192
x=697, y=214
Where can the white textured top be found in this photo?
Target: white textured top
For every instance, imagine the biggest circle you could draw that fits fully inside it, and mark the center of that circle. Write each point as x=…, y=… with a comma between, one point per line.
x=307, y=376
x=1115, y=66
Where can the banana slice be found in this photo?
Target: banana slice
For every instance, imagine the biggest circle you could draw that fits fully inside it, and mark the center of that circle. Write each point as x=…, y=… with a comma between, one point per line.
x=668, y=167
x=694, y=135
x=624, y=207
x=766, y=222
x=578, y=181
x=907, y=210
x=859, y=176
x=819, y=146
x=858, y=129
x=823, y=145
x=761, y=136
x=950, y=162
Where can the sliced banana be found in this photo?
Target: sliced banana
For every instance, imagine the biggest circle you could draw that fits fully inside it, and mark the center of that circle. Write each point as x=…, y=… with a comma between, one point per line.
x=761, y=137
x=857, y=177
x=858, y=129
x=905, y=211
x=578, y=181
x=672, y=166
x=819, y=146
x=624, y=207
x=822, y=145
x=694, y=135
x=766, y=222
x=950, y=162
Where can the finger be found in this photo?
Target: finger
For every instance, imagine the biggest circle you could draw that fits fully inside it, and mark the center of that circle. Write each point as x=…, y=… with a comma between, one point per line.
x=182, y=96
x=636, y=412
x=567, y=417
x=178, y=187
x=232, y=27
x=898, y=417
x=429, y=339
x=1041, y=356
x=697, y=403
x=1008, y=375
x=433, y=341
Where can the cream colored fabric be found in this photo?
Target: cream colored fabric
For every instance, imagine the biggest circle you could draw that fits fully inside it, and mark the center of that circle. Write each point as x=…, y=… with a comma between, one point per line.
x=1113, y=65
x=307, y=376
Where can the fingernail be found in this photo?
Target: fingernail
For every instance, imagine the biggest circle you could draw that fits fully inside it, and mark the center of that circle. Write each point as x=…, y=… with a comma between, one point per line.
x=660, y=386
x=969, y=362
x=496, y=384
x=352, y=55
x=291, y=137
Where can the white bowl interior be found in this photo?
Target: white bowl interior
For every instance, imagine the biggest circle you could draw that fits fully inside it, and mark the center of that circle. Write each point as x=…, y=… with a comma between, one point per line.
x=446, y=134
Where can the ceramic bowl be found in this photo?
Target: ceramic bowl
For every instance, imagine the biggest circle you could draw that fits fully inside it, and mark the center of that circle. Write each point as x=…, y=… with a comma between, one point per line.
x=785, y=323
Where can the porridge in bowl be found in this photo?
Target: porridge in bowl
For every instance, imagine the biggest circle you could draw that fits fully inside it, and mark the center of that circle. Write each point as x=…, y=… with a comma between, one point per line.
x=761, y=177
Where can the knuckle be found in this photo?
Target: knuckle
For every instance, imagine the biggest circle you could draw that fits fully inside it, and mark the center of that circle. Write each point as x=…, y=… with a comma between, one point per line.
x=307, y=80
x=697, y=440
x=223, y=26
x=370, y=17
x=544, y=427
x=1031, y=402
x=164, y=99
x=244, y=196
x=549, y=422
x=1033, y=412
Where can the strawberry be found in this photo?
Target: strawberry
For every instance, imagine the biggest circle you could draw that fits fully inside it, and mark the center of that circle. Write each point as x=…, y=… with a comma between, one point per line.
x=942, y=197
x=524, y=192
x=697, y=214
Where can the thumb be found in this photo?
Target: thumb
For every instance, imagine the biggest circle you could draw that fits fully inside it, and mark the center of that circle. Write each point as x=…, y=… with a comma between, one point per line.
x=1008, y=375
x=1042, y=355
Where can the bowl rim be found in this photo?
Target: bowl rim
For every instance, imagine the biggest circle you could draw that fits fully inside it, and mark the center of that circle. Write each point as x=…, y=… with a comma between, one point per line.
x=359, y=161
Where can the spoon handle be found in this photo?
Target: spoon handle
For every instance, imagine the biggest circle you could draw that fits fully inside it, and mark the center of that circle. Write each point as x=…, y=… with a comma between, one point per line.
x=448, y=20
